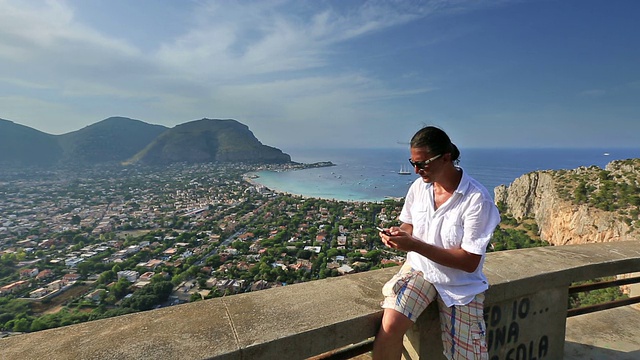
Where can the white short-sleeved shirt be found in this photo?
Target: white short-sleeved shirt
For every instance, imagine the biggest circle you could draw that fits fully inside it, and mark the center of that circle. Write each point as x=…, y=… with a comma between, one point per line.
x=467, y=220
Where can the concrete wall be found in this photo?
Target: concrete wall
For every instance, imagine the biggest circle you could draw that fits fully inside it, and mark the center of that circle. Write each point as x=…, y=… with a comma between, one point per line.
x=525, y=310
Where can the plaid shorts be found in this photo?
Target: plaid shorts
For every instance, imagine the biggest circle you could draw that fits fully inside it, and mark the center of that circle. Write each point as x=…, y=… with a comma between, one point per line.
x=463, y=330
x=463, y=327
x=408, y=292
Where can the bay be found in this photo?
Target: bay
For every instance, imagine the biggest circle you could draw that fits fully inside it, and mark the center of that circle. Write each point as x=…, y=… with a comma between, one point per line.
x=372, y=174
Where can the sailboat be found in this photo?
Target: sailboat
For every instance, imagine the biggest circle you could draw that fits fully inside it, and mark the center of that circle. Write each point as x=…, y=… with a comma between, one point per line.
x=404, y=171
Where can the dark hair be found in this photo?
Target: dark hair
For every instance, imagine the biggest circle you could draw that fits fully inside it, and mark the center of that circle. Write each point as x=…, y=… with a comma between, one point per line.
x=437, y=141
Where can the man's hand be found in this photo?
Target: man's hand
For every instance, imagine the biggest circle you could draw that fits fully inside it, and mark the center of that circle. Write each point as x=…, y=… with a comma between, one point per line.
x=398, y=239
x=401, y=239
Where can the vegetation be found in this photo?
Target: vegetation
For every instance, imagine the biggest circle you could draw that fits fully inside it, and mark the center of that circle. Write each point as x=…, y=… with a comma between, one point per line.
x=616, y=190
x=513, y=234
x=595, y=297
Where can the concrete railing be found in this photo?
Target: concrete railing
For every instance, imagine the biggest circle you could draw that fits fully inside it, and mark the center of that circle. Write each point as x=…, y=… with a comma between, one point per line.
x=525, y=309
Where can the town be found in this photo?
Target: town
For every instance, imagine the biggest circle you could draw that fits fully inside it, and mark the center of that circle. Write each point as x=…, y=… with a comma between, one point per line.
x=80, y=244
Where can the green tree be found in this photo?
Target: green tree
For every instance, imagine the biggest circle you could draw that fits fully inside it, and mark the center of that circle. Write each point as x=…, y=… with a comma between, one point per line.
x=305, y=254
x=580, y=192
x=373, y=256
x=121, y=288
x=106, y=277
x=21, y=325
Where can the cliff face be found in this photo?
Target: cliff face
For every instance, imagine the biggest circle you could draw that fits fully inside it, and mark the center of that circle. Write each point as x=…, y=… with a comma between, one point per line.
x=561, y=218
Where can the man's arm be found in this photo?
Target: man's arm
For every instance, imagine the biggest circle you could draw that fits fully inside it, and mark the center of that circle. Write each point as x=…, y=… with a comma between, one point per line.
x=453, y=258
x=408, y=228
x=401, y=238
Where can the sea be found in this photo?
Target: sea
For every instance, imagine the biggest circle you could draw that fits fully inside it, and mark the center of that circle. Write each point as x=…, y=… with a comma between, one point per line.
x=371, y=175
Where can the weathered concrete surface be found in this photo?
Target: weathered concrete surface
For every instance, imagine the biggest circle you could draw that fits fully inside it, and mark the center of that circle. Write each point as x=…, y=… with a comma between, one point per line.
x=298, y=321
x=611, y=334
x=527, y=271
x=266, y=324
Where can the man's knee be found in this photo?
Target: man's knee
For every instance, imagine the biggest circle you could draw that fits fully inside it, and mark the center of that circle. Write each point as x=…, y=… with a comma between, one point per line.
x=394, y=322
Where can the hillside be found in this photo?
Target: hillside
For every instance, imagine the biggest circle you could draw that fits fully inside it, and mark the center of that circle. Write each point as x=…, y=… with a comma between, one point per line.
x=120, y=140
x=209, y=140
x=20, y=144
x=578, y=206
x=115, y=139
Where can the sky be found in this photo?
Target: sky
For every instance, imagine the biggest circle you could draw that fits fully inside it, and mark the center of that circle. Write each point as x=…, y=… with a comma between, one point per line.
x=339, y=74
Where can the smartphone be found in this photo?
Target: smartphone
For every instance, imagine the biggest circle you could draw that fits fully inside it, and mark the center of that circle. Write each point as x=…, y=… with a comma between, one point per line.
x=384, y=231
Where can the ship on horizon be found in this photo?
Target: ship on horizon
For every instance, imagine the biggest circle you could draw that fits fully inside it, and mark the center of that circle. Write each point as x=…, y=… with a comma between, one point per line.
x=404, y=171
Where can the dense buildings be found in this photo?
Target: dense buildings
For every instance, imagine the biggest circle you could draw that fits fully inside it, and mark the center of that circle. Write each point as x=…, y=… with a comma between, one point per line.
x=112, y=240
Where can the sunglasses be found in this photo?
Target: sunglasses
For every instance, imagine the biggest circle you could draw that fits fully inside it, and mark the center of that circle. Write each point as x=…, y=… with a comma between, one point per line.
x=421, y=165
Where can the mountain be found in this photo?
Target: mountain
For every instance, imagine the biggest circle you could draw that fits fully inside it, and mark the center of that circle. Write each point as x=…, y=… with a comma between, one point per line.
x=20, y=144
x=578, y=206
x=209, y=140
x=123, y=140
x=115, y=139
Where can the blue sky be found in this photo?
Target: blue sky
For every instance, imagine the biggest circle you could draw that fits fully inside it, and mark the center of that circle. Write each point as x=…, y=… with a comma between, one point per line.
x=540, y=73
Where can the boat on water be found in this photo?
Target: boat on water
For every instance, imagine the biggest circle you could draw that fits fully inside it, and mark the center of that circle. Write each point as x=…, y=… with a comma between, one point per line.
x=404, y=171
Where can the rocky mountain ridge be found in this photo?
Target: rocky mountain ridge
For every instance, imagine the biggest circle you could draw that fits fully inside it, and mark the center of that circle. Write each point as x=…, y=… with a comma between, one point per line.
x=128, y=141
x=578, y=206
x=208, y=140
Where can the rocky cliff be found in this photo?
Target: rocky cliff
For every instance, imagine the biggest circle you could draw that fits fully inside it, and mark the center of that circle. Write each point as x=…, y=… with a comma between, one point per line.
x=578, y=206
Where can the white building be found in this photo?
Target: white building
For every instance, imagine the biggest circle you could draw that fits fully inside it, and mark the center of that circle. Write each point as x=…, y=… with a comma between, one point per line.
x=345, y=269
x=130, y=275
x=73, y=262
x=133, y=249
x=38, y=293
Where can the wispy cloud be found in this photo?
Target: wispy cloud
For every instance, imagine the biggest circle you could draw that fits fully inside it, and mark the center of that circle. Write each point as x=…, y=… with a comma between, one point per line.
x=227, y=41
x=30, y=29
x=593, y=93
x=236, y=40
x=270, y=63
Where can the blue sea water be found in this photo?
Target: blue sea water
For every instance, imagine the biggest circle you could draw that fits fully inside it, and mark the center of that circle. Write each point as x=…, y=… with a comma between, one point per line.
x=372, y=174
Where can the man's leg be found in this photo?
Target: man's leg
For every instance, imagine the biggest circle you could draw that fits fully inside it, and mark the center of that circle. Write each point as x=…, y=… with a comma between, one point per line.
x=407, y=294
x=388, y=343
x=463, y=330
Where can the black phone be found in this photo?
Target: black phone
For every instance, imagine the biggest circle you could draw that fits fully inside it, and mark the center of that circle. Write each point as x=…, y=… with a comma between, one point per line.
x=384, y=231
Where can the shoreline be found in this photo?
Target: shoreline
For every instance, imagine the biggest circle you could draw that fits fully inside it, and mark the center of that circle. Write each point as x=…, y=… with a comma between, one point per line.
x=250, y=177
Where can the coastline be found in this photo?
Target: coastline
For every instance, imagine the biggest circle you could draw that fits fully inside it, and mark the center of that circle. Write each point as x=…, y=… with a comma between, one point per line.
x=372, y=175
x=253, y=177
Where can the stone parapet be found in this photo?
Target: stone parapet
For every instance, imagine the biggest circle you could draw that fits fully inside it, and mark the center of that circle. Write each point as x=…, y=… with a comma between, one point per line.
x=525, y=311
